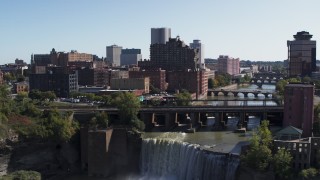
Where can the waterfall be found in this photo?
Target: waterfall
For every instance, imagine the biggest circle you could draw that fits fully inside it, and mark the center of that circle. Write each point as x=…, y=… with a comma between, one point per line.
x=232, y=123
x=253, y=123
x=170, y=159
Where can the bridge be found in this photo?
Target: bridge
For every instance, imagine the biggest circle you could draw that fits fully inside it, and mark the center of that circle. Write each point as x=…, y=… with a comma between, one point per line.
x=236, y=92
x=266, y=78
x=177, y=118
x=268, y=75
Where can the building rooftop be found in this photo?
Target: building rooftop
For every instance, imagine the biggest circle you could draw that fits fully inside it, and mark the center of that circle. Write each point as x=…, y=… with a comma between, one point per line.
x=290, y=130
x=302, y=35
x=300, y=85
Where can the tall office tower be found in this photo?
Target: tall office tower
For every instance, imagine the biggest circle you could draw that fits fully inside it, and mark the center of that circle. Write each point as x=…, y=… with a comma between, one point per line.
x=228, y=65
x=130, y=57
x=175, y=55
x=301, y=54
x=160, y=35
x=113, y=55
x=298, y=107
x=198, y=45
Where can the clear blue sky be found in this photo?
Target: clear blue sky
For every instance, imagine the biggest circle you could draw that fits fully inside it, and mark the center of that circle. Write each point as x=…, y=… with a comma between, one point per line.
x=248, y=29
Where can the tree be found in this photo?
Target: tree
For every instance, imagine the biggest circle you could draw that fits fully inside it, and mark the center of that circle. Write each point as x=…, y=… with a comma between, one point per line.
x=247, y=78
x=100, y=120
x=9, y=77
x=282, y=163
x=128, y=104
x=154, y=90
x=210, y=83
x=48, y=95
x=183, y=98
x=20, y=78
x=316, y=123
x=310, y=173
x=56, y=126
x=280, y=86
x=306, y=79
x=259, y=154
x=22, y=174
x=21, y=96
x=294, y=80
x=35, y=94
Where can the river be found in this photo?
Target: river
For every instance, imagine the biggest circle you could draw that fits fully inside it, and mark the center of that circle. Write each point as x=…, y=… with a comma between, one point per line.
x=164, y=151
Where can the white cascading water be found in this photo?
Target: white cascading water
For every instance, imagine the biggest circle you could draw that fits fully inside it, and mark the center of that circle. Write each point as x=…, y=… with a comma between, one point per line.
x=170, y=159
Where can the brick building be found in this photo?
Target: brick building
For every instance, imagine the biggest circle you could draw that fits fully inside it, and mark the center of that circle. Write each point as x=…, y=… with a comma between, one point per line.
x=93, y=77
x=21, y=87
x=60, y=58
x=175, y=55
x=131, y=84
x=57, y=79
x=228, y=65
x=298, y=107
x=193, y=81
x=157, y=78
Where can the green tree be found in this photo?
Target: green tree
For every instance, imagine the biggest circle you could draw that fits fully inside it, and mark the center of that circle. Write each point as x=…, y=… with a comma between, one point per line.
x=56, y=126
x=8, y=77
x=306, y=79
x=50, y=95
x=247, y=78
x=20, y=78
x=183, y=99
x=106, y=100
x=210, y=83
x=128, y=104
x=100, y=120
x=280, y=86
x=6, y=103
x=21, y=96
x=310, y=173
x=259, y=154
x=294, y=80
x=154, y=90
x=22, y=175
x=35, y=94
x=316, y=123
x=282, y=164
x=138, y=124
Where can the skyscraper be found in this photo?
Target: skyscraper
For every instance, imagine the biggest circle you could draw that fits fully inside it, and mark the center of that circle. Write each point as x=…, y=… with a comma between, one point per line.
x=175, y=55
x=160, y=35
x=301, y=54
x=196, y=44
x=113, y=55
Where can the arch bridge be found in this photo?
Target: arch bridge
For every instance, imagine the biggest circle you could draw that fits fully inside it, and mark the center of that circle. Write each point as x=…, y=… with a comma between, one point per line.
x=235, y=93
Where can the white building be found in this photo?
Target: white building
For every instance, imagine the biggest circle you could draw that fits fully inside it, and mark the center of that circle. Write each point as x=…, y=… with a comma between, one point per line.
x=113, y=55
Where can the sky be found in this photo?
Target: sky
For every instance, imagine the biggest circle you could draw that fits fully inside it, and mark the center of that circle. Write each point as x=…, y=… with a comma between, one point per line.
x=245, y=29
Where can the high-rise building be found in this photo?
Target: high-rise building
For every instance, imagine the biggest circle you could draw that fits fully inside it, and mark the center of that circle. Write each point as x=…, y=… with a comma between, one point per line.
x=175, y=55
x=196, y=44
x=298, y=107
x=301, y=54
x=130, y=56
x=113, y=55
x=228, y=65
x=160, y=35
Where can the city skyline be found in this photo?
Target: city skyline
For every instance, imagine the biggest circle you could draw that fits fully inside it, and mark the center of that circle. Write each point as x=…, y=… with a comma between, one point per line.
x=245, y=30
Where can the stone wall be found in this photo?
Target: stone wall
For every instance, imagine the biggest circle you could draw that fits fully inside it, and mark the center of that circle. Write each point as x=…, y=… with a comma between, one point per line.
x=110, y=153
